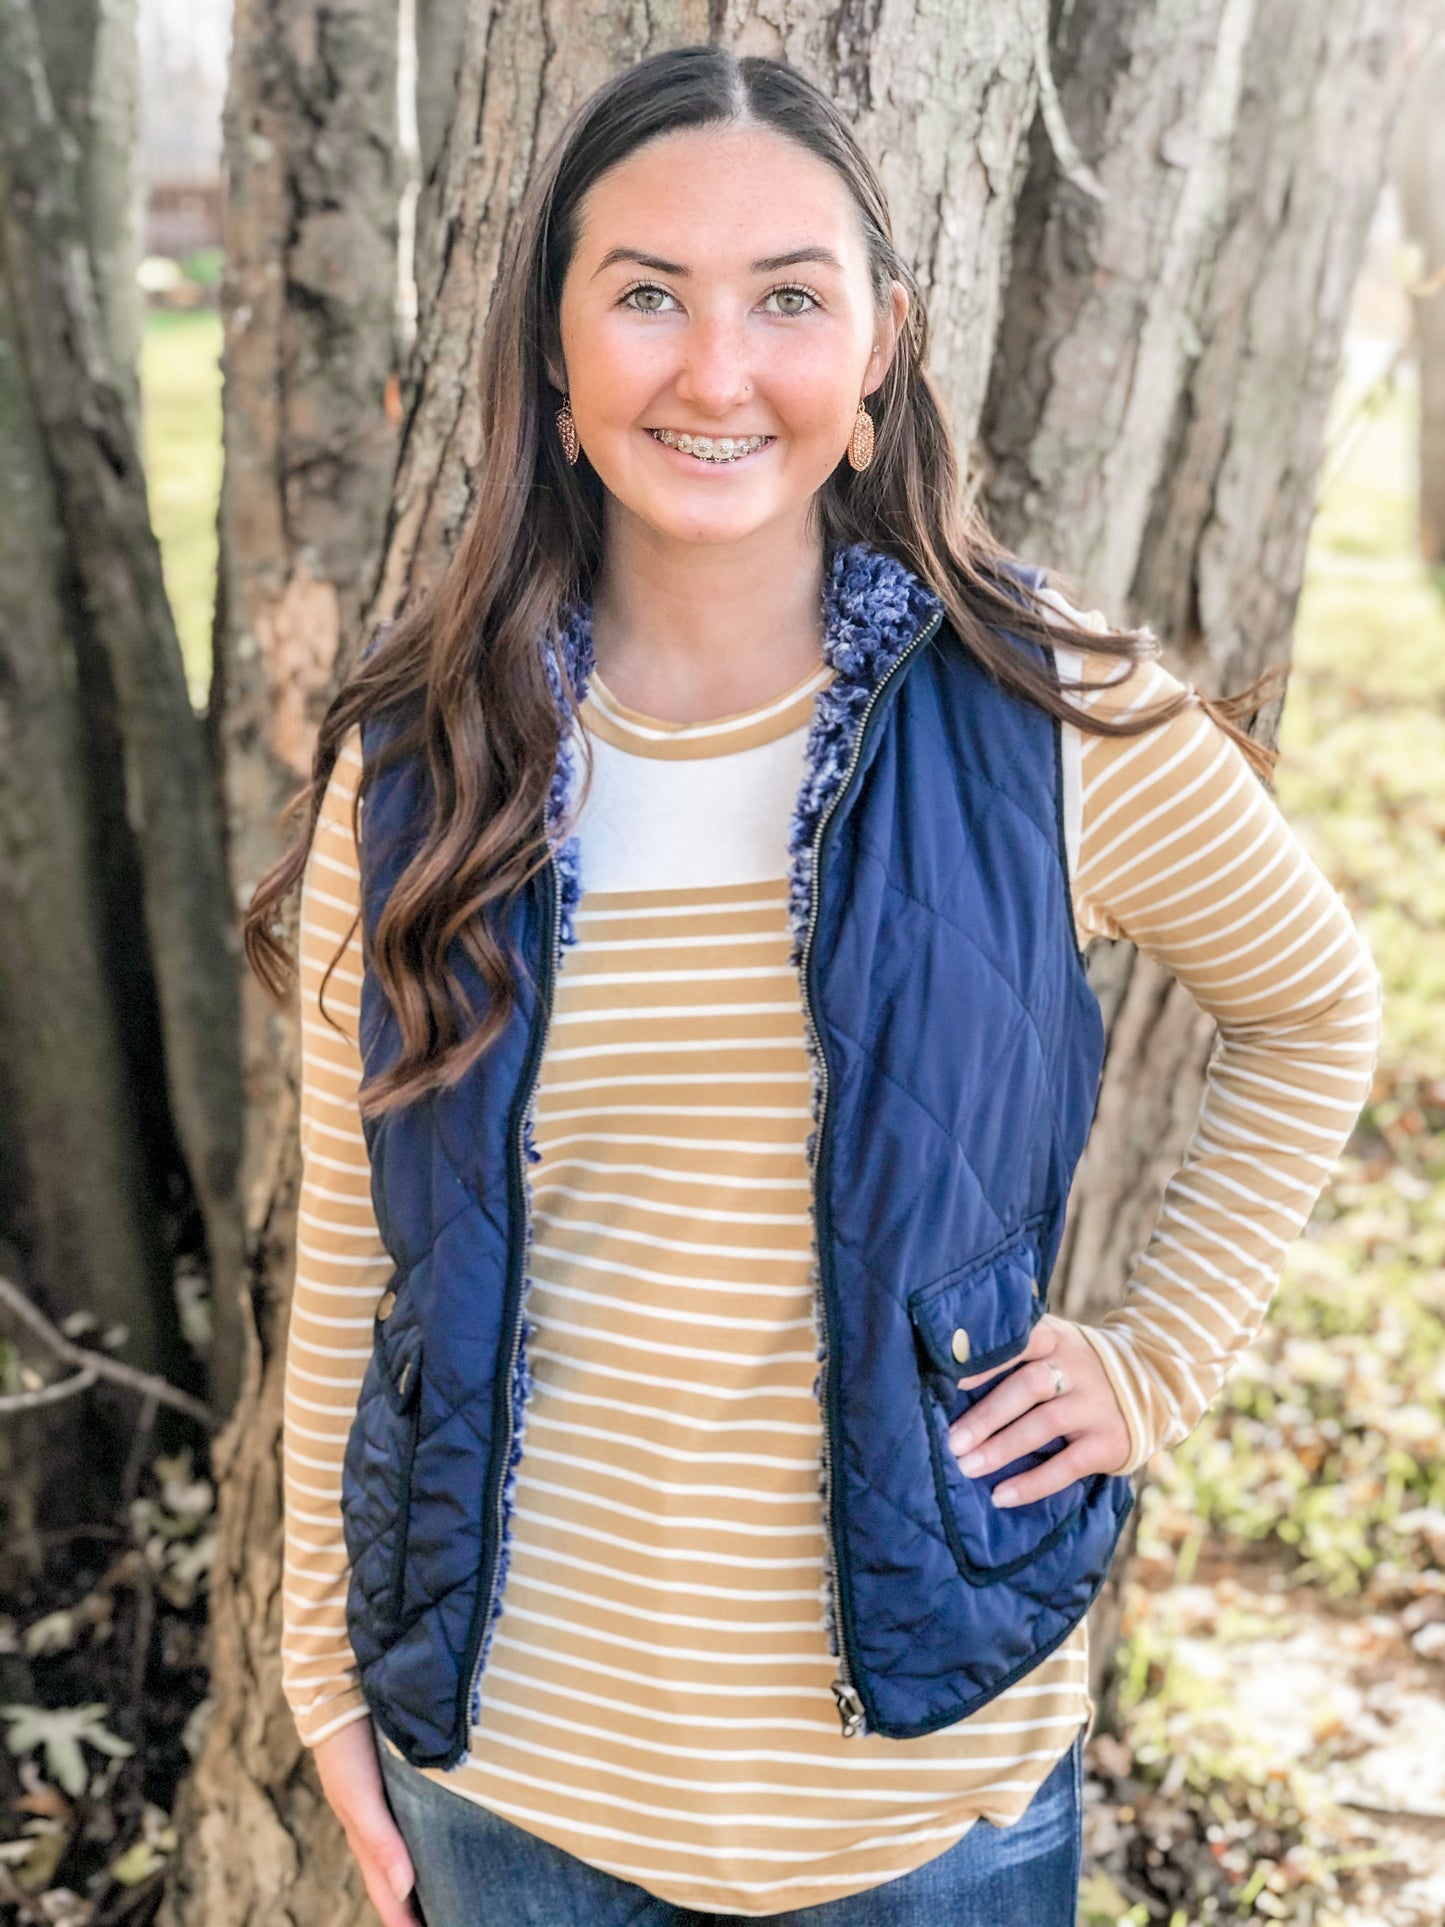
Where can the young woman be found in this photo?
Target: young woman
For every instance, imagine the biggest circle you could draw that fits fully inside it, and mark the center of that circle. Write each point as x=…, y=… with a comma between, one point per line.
x=697, y=1056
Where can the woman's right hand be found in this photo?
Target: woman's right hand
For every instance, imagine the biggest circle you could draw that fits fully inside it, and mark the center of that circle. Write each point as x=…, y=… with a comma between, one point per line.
x=351, y=1780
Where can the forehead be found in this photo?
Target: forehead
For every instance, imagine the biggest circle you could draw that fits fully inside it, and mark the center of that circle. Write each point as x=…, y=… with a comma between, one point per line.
x=730, y=193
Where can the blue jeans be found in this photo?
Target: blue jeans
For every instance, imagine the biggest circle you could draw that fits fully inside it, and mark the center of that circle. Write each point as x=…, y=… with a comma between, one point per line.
x=473, y=1869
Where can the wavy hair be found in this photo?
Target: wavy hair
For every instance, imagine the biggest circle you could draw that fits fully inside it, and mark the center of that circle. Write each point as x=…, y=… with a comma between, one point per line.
x=467, y=661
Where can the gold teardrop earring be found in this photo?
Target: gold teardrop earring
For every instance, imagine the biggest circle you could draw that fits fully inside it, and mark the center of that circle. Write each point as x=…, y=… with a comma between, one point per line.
x=860, y=445
x=567, y=430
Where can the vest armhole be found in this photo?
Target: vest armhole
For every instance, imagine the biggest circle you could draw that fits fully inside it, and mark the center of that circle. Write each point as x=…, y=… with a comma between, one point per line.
x=1061, y=827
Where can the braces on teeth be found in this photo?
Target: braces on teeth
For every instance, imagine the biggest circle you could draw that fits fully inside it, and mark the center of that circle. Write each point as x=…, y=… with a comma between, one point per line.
x=726, y=448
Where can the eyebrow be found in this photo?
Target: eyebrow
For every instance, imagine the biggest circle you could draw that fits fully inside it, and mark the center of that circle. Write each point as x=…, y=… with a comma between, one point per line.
x=770, y=263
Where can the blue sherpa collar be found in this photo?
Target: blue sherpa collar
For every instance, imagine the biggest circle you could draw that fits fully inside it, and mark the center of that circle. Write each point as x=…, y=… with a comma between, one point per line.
x=873, y=606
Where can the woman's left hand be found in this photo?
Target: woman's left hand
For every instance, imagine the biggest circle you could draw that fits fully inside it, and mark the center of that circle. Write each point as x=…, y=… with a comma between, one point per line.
x=1027, y=1411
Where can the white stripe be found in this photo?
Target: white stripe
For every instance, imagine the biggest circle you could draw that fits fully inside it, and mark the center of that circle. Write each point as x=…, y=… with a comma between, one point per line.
x=641, y=1202
x=677, y=912
x=723, y=1528
x=812, y=1622
x=712, y=1320
x=594, y=1368
x=733, y=1559
x=672, y=1587
x=691, y=1247
x=711, y=1285
x=679, y=1488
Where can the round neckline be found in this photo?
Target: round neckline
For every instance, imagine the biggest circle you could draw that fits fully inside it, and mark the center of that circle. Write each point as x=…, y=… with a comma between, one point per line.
x=805, y=685
x=636, y=733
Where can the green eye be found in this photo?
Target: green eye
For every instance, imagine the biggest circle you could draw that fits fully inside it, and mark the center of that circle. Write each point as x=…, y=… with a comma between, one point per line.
x=806, y=293
x=644, y=287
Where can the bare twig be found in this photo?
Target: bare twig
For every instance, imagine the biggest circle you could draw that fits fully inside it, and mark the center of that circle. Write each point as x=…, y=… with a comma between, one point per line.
x=90, y=1366
x=47, y=1394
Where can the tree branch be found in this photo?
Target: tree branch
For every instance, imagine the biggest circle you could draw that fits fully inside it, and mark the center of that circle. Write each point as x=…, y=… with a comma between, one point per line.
x=89, y=1367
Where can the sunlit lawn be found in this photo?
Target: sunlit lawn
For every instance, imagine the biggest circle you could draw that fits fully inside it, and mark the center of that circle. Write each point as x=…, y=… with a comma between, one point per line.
x=181, y=386
x=1313, y=1497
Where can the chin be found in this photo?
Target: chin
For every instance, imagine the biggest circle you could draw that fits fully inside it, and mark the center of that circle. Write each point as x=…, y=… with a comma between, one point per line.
x=727, y=525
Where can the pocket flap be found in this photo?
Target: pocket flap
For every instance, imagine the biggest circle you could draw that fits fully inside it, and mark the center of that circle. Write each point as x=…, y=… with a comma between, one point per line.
x=981, y=1314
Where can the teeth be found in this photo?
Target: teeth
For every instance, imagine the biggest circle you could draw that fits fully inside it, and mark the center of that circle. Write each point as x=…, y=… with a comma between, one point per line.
x=727, y=448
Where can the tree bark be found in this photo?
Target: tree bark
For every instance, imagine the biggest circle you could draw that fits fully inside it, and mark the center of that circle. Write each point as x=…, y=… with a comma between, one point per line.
x=440, y=32
x=309, y=306
x=115, y=565
x=1419, y=172
x=92, y=63
x=1069, y=340
x=68, y=1102
x=1156, y=423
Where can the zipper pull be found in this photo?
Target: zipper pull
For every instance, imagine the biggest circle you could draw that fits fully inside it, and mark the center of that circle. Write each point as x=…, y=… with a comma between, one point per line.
x=850, y=1708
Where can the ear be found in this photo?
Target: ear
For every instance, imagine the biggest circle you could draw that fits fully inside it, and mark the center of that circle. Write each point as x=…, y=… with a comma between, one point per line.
x=890, y=327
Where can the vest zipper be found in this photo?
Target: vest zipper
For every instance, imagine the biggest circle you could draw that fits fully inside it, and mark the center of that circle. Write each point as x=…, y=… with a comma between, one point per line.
x=523, y=1192
x=852, y=1713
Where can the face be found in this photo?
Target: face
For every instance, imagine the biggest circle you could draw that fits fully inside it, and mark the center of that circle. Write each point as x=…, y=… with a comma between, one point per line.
x=719, y=289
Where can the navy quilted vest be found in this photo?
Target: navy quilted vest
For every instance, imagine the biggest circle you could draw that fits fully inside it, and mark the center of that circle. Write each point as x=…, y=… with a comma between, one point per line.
x=956, y=1047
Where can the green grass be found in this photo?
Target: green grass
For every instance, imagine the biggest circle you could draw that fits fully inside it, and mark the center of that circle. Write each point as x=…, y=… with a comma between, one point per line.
x=181, y=391
x=1325, y=1455
x=1332, y=1432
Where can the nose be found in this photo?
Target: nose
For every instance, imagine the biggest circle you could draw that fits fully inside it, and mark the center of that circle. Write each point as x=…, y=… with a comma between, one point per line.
x=713, y=377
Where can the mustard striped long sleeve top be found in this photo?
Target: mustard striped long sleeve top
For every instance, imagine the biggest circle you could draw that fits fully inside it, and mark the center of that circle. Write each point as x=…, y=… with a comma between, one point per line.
x=656, y=1700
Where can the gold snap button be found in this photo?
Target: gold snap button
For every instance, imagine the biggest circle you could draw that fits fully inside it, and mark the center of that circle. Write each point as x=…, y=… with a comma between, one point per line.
x=961, y=1346
x=386, y=1304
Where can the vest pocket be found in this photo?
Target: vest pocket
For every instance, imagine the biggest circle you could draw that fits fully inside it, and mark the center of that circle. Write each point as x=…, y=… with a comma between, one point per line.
x=971, y=1320
x=399, y=1361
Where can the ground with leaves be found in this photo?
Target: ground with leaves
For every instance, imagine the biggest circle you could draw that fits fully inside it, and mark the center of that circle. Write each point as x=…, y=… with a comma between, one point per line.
x=1281, y=1744
x=1280, y=1752
x=102, y=1693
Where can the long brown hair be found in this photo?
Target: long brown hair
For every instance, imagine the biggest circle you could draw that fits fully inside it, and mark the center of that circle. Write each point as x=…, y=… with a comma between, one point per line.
x=466, y=664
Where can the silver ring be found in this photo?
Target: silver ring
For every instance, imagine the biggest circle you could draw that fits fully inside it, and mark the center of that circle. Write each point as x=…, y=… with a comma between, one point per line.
x=1058, y=1377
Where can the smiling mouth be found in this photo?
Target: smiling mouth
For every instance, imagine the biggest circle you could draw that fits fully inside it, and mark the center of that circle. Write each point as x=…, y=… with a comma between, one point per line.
x=710, y=448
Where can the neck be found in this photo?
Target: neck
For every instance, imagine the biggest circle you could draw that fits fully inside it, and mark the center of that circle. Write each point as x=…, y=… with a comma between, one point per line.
x=690, y=630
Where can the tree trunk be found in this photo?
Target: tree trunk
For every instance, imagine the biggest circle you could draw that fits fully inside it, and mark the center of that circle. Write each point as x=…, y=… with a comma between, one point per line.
x=1069, y=333
x=1419, y=172
x=92, y=63
x=439, y=28
x=68, y=1101
x=309, y=308
x=118, y=598
x=103, y=854
x=1156, y=423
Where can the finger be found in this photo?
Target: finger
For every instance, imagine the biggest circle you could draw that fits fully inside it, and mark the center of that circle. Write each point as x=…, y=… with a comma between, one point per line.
x=1076, y=1461
x=392, y=1911
x=1030, y=1384
x=1043, y=1340
x=377, y=1842
x=1038, y=1426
